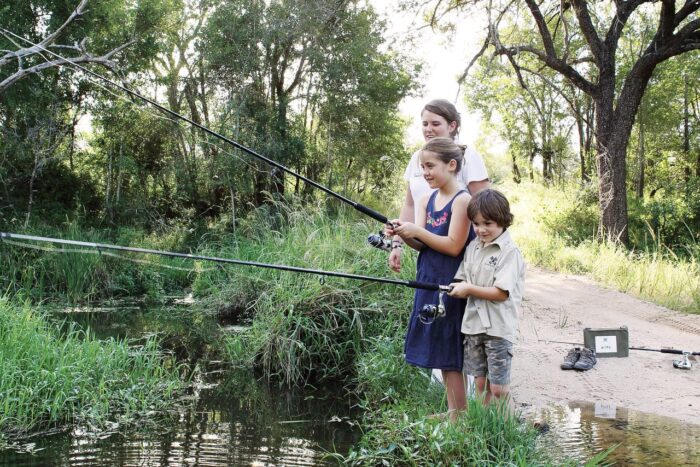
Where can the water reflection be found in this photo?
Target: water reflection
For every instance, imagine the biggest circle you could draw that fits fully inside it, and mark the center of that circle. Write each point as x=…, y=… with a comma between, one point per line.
x=581, y=429
x=234, y=420
x=232, y=417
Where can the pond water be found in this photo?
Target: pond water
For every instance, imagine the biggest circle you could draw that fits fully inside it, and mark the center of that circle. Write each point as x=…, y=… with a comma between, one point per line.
x=579, y=430
x=232, y=418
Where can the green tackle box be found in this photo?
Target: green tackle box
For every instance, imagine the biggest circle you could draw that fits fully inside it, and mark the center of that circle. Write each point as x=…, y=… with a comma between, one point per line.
x=607, y=342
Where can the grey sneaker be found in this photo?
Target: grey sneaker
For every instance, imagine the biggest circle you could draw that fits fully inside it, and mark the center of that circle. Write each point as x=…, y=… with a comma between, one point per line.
x=571, y=359
x=586, y=361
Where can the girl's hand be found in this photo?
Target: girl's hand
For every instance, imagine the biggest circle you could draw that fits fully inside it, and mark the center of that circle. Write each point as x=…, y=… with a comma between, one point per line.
x=389, y=227
x=407, y=230
x=459, y=289
x=395, y=259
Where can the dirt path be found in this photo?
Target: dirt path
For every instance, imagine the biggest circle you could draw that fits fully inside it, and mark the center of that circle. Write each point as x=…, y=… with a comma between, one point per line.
x=559, y=307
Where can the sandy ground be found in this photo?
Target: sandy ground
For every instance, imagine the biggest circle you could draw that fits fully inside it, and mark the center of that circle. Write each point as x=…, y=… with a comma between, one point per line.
x=558, y=307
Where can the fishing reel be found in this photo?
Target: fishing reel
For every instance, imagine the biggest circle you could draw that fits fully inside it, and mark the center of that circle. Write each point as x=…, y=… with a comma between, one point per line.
x=684, y=363
x=379, y=240
x=429, y=313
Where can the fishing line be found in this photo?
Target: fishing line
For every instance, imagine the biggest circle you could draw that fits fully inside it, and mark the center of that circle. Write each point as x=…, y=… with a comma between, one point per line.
x=159, y=116
x=50, y=249
x=363, y=209
x=5, y=237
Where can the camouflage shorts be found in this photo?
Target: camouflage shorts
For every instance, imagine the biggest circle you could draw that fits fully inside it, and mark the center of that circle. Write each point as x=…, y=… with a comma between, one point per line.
x=488, y=355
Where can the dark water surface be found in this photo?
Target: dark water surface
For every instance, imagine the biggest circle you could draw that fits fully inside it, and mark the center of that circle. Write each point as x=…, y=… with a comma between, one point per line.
x=581, y=429
x=230, y=418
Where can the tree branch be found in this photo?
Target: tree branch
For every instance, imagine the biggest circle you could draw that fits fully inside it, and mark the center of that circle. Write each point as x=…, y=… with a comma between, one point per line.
x=624, y=11
x=104, y=60
x=48, y=42
x=542, y=28
x=589, y=32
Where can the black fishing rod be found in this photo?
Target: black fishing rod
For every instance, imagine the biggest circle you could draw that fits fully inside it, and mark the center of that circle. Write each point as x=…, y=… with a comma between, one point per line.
x=281, y=267
x=673, y=351
x=363, y=209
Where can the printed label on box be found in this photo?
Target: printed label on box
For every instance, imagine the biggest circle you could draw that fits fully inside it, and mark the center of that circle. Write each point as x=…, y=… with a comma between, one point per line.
x=605, y=409
x=605, y=344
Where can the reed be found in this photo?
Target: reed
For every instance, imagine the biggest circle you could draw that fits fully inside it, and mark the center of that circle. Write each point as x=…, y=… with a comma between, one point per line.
x=86, y=275
x=53, y=380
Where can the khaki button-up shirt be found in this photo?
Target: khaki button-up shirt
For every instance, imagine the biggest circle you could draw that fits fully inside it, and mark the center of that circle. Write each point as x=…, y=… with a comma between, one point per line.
x=497, y=264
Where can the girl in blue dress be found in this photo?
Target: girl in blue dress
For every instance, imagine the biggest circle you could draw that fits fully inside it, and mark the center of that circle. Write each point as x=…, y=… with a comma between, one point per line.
x=440, y=234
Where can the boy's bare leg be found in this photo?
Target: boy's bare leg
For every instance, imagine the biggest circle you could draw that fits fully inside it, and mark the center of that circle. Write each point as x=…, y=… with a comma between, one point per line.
x=482, y=389
x=456, y=394
x=501, y=393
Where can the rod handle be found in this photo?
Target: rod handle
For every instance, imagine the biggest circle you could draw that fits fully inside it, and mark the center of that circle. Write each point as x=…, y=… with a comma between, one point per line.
x=372, y=213
x=428, y=286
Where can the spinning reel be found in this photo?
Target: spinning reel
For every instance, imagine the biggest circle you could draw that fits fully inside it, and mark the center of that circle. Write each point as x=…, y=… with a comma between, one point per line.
x=379, y=240
x=684, y=363
x=429, y=313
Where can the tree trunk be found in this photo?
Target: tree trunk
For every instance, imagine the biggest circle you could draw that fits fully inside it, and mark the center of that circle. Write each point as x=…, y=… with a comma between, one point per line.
x=641, y=158
x=30, y=202
x=108, y=183
x=517, y=177
x=610, y=155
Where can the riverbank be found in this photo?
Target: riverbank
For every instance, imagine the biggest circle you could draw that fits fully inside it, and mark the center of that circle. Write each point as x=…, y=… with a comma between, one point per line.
x=558, y=307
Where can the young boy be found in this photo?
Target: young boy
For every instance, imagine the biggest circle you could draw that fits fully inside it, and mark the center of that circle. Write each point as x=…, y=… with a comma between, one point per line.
x=491, y=278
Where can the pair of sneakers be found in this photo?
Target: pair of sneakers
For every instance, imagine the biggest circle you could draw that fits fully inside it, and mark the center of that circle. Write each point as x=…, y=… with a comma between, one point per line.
x=579, y=358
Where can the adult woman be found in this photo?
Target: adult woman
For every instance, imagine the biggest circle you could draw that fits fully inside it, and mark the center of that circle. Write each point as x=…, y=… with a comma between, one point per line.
x=439, y=118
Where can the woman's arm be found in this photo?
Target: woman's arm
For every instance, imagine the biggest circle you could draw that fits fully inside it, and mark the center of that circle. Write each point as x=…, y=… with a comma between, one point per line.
x=476, y=186
x=408, y=210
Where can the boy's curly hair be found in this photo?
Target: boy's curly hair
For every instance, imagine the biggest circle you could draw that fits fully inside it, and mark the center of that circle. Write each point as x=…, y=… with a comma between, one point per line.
x=492, y=205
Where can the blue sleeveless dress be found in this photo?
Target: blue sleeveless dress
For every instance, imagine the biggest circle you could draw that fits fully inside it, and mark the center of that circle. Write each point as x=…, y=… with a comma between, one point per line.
x=438, y=344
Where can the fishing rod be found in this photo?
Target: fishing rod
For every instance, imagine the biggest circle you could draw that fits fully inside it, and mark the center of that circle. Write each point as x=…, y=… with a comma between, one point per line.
x=673, y=351
x=363, y=209
x=103, y=246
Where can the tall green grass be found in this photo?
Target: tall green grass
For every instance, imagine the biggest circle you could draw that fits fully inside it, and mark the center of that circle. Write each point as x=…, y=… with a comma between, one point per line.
x=49, y=380
x=83, y=275
x=305, y=327
x=550, y=240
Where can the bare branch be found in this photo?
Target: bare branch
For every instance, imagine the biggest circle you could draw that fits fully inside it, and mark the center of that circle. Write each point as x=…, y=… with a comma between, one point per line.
x=47, y=42
x=104, y=60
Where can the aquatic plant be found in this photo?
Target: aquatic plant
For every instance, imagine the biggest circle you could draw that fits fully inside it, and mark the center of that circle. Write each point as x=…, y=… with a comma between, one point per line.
x=404, y=435
x=52, y=380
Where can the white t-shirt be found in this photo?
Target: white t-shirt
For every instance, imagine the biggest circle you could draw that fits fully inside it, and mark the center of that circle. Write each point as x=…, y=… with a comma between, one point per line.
x=473, y=170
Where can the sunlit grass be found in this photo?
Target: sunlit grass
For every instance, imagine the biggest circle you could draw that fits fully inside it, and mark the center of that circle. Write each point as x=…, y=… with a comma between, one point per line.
x=658, y=276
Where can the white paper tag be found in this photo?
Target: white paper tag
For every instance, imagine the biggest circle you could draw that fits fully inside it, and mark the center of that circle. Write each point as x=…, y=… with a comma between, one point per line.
x=605, y=410
x=605, y=344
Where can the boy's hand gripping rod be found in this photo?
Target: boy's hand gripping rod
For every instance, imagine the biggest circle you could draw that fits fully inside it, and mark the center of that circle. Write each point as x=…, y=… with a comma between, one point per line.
x=64, y=61
x=102, y=246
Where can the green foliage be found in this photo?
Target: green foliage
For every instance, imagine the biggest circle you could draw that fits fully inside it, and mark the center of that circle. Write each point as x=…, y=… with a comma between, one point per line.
x=49, y=381
x=383, y=377
x=481, y=436
x=575, y=217
x=551, y=231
